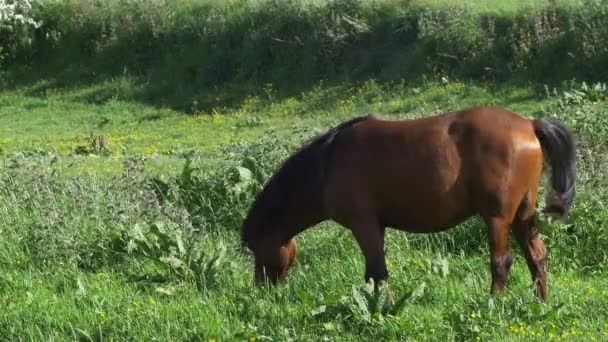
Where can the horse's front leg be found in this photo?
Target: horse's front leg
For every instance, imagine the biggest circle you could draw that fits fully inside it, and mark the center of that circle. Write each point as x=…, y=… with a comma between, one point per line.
x=370, y=237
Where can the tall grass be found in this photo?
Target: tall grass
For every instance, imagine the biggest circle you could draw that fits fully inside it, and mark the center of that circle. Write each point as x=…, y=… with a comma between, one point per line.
x=88, y=221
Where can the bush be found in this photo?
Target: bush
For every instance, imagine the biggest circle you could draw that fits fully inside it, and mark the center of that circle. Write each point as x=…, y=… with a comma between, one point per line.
x=182, y=51
x=16, y=24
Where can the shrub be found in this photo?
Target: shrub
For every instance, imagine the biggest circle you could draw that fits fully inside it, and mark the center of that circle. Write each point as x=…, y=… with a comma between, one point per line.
x=182, y=50
x=16, y=23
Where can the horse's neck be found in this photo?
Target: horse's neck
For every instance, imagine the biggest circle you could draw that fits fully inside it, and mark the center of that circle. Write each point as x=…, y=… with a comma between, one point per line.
x=300, y=218
x=294, y=204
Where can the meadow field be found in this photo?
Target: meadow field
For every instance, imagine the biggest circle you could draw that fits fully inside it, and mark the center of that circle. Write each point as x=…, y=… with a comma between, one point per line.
x=134, y=136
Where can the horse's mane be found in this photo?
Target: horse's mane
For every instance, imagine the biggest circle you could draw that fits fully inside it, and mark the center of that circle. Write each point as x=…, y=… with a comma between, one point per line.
x=305, y=168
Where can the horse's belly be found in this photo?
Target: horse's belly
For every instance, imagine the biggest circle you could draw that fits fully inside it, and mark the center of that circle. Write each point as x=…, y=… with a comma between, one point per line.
x=430, y=214
x=417, y=224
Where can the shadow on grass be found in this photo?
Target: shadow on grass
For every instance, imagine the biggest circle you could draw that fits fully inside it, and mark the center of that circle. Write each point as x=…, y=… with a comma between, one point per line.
x=184, y=86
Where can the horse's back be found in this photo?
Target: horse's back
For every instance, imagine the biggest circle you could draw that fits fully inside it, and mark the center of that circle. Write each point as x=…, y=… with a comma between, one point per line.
x=400, y=171
x=430, y=173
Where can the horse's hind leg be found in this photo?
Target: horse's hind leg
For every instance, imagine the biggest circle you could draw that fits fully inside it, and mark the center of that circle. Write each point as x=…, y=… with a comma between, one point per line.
x=534, y=249
x=501, y=258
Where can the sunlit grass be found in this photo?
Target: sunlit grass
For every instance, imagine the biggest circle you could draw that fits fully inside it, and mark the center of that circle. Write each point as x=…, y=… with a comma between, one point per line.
x=63, y=123
x=498, y=7
x=78, y=259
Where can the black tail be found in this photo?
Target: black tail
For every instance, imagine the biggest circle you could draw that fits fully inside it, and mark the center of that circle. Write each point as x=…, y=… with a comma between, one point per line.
x=558, y=147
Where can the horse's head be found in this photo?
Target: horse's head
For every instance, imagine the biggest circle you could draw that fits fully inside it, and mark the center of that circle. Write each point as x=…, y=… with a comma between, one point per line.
x=273, y=260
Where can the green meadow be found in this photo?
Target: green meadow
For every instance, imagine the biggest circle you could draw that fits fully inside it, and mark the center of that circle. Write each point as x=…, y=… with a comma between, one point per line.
x=135, y=135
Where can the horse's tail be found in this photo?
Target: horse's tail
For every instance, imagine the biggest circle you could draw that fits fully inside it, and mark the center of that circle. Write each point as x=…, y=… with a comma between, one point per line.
x=558, y=147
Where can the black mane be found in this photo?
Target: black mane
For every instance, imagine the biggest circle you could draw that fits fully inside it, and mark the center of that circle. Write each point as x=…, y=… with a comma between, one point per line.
x=303, y=171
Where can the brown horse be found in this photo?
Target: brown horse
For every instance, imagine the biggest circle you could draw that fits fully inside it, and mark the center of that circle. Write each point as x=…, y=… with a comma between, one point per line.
x=424, y=175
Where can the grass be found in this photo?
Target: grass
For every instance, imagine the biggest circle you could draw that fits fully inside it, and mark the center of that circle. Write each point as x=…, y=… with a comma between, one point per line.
x=131, y=242
x=43, y=119
x=316, y=303
x=134, y=136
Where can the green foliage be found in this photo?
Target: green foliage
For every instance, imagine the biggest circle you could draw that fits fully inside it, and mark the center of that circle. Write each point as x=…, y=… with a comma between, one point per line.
x=584, y=94
x=16, y=27
x=580, y=105
x=181, y=250
x=452, y=35
x=373, y=302
x=199, y=55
